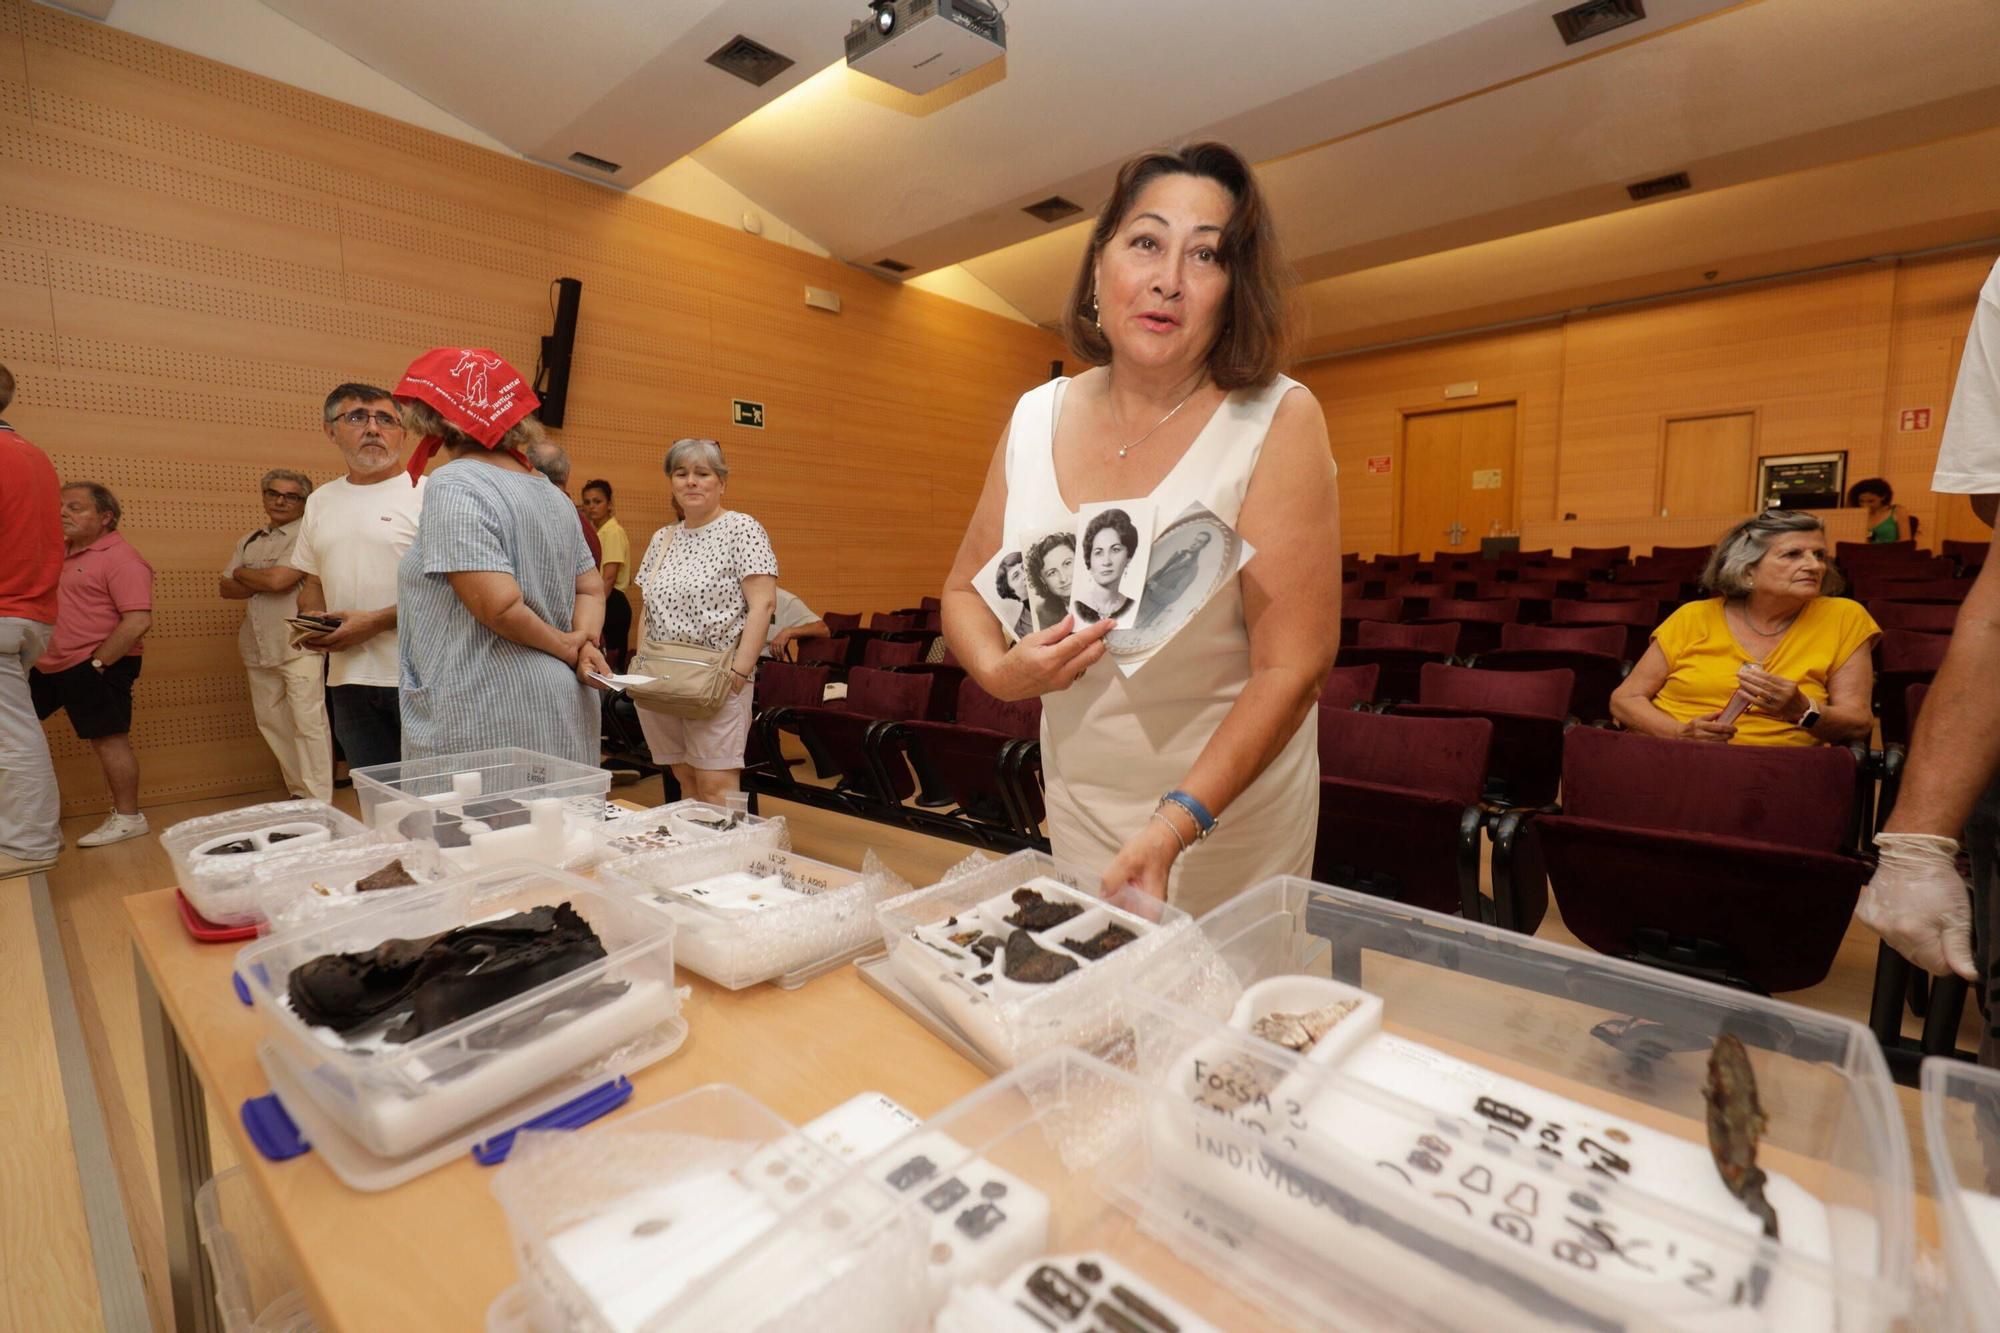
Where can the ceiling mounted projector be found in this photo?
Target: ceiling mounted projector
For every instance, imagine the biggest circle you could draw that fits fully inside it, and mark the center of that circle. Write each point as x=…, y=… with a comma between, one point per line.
x=921, y=45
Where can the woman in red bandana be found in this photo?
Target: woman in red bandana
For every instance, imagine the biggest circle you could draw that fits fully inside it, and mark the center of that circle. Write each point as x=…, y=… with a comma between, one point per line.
x=499, y=603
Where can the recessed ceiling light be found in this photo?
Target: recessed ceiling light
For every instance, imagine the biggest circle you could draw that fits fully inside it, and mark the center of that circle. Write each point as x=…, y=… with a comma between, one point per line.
x=893, y=265
x=1053, y=209
x=1594, y=18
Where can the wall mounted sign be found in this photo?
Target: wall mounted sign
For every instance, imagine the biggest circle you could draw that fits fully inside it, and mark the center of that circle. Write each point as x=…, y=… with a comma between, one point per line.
x=1380, y=463
x=1486, y=479
x=743, y=412
x=1913, y=419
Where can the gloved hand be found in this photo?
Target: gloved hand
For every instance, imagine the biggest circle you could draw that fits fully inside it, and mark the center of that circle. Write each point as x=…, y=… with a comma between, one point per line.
x=1919, y=905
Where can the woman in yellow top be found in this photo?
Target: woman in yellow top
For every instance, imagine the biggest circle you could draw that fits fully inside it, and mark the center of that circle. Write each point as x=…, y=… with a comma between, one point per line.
x=1798, y=657
x=616, y=569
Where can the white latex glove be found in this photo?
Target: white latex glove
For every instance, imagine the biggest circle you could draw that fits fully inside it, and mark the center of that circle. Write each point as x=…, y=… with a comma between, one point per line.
x=1918, y=903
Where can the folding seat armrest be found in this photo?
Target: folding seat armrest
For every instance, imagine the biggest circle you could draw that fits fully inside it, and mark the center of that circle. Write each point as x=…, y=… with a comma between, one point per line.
x=1471, y=827
x=1509, y=865
x=881, y=743
x=1894, y=756
x=1861, y=838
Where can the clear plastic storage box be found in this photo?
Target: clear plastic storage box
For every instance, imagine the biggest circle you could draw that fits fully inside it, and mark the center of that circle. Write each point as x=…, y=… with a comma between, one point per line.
x=950, y=945
x=298, y=890
x=681, y=824
x=1962, y=1135
x=489, y=806
x=705, y=1212
x=215, y=856
x=255, y=1288
x=747, y=912
x=1437, y=1124
x=492, y=1069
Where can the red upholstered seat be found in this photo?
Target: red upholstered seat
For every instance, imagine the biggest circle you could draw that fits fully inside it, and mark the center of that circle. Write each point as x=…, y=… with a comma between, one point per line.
x=824, y=652
x=1907, y=658
x=1727, y=861
x=1950, y=591
x=1479, y=621
x=893, y=652
x=1348, y=686
x=1639, y=618
x=1354, y=610
x=1441, y=639
x=1924, y=617
x=1539, y=693
x=1399, y=813
x=841, y=621
x=1528, y=710
x=1606, y=639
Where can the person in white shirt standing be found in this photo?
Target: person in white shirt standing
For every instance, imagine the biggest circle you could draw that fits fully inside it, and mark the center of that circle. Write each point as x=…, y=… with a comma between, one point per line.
x=352, y=538
x=1917, y=902
x=287, y=683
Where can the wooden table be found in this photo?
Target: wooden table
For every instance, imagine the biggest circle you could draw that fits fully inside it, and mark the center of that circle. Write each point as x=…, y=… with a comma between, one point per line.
x=432, y=1254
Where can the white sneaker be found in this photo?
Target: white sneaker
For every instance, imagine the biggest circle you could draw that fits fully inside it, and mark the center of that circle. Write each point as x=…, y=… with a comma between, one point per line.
x=115, y=828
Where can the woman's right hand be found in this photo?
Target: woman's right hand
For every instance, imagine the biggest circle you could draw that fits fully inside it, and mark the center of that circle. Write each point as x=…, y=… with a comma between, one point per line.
x=1049, y=659
x=1710, y=728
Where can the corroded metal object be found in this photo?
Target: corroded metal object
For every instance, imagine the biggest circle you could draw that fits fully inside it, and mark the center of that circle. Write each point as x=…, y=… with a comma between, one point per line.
x=1298, y=1032
x=1029, y=962
x=1735, y=1124
x=1034, y=912
x=391, y=876
x=1103, y=942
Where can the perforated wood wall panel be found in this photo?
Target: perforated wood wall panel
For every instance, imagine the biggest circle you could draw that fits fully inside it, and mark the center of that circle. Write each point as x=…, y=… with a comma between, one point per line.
x=191, y=255
x=1828, y=363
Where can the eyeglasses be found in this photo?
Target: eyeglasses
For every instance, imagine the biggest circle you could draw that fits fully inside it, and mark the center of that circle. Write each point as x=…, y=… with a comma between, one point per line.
x=289, y=497
x=361, y=416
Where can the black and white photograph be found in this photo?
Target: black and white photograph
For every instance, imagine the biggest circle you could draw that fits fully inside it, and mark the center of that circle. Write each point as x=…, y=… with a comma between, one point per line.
x=1049, y=563
x=1003, y=586
x=1111, y=545
x=1189, y=560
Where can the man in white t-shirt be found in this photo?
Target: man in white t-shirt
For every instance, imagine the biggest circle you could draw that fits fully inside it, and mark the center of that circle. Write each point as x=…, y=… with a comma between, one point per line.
x=792, y=619
x=1917, y=902
x=354, y=533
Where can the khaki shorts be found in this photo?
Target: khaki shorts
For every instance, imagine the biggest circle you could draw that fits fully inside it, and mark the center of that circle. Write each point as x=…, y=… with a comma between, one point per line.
x=707, y=743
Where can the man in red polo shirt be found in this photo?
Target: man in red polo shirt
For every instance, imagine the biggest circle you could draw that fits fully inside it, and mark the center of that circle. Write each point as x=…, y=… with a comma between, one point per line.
x=103, y=609
x=31, y=534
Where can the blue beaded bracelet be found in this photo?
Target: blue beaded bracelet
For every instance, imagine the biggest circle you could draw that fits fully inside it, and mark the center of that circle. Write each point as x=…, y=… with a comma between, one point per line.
x=1204, y=822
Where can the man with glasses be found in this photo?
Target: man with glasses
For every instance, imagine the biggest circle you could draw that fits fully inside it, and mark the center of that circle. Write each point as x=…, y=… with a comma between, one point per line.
x=287, y=683
x=354, y=533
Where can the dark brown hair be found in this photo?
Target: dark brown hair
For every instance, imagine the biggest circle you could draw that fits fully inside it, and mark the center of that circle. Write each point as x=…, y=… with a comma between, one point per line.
x=1255, y=342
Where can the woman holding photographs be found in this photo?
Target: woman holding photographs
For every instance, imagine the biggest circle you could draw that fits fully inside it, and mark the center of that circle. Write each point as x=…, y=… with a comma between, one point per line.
x=1196, y=774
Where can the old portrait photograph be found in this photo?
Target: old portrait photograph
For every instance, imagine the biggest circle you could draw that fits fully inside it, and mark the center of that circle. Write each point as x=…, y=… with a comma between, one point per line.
x=1003, y=586
x=1048, y=563
x=1112, y=540
x=1191, y=557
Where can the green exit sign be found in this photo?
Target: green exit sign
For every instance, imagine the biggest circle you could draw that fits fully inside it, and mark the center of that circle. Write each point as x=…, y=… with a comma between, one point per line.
x=743, y=412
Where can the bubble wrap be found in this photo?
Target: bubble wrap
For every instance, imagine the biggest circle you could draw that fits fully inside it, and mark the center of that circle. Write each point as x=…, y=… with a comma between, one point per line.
x=788, y=943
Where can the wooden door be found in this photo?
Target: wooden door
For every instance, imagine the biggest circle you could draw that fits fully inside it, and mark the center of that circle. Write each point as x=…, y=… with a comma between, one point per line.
x=1708, y=465
x=1458, y=478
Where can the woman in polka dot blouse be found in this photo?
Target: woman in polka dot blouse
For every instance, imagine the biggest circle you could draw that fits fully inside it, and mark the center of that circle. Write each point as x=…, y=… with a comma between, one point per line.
x=707, y=579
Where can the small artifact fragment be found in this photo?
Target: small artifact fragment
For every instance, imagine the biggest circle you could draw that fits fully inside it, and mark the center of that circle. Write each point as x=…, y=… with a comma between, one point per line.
x=982, y=978
x=236, y=848
x=986, y=946
x=1102, y=943
x=1735, y=1123
x=1029, y=962
x=1299, y=1032
x=391, y=876
x=965, y=938
x=1034, y=912
x=281, y=836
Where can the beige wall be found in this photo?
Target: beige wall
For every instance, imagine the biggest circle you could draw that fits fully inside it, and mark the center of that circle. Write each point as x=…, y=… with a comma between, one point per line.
x=1826, y=363
x=190, y=256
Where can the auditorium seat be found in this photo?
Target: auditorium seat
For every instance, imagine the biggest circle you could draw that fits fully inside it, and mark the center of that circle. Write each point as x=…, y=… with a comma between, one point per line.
x=841, y=621
x=969, y=770
x=1665, y=594
x=1400, y=651
x=1845, y=553
x=778, y=685
x=833, y=652
x=1946, y=591
x=1604, y=558
x=1478, y=621
x=1354, y=610
x=1399, y=812
x=1638, y=618
x=1529, y=711
x=1348, y=686
x=1921, y=617
x=1608, y=640
x=893, y=652
x=1590, y=653
x=1969, y=555
x=1907, y=658
x=1727, y=862
x=835, y=737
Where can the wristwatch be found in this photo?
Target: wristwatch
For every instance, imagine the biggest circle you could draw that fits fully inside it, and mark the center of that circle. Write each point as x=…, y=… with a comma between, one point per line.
x=1810, y=719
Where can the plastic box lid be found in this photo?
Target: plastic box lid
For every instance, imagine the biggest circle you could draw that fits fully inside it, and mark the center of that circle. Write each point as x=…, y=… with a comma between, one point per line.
x=579, y=1029
x=706, y=1211
x=1518, y=1128
x=1010, y=1021
x=431, y=799
x=1962, y=1136
x=217, y=884
x=747, y=912
x=255, y=1288
x=302, y=889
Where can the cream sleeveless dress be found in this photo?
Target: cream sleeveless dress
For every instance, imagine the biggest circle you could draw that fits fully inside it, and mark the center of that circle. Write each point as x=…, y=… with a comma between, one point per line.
x=1112, y=744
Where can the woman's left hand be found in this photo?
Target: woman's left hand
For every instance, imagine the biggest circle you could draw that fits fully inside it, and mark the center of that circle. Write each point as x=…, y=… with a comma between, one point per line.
x=1143, y=862
x=1771, y=694
x=589, y=659
x=737, y=680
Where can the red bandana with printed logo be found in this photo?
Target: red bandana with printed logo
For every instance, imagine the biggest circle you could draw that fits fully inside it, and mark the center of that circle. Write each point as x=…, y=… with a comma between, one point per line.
x=473, y=389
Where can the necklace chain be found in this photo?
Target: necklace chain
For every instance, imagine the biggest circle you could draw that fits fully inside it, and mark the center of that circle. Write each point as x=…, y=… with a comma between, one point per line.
x=1744, y=611
x=1128, y=448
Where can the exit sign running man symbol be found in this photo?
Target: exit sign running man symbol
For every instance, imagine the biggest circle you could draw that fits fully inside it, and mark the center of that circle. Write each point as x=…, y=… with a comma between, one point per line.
x=742, y=412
